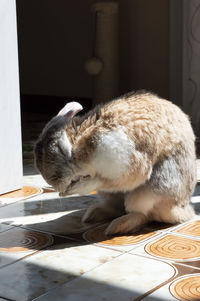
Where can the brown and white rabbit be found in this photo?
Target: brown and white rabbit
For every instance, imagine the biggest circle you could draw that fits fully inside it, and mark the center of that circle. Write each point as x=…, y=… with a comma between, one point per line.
x=137, y=151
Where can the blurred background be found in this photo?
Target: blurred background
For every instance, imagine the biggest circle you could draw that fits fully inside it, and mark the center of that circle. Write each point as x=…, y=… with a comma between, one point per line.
x=93, y=51
x=56, y=38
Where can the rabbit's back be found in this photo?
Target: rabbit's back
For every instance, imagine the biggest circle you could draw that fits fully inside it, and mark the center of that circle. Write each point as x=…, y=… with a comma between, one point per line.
x=143, y=121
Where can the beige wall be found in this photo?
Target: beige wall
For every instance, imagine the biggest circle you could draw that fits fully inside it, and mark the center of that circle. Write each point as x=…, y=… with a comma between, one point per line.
x=55, y=40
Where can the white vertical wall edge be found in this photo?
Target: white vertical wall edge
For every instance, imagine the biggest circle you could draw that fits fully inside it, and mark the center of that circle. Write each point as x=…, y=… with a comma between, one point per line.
x=10, y=123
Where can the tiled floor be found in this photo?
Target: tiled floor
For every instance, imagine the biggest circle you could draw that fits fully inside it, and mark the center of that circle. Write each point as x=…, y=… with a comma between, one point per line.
x=47, y=254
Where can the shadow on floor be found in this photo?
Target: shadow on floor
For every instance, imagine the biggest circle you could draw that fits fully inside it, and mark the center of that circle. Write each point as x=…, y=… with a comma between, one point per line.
x=33, y=281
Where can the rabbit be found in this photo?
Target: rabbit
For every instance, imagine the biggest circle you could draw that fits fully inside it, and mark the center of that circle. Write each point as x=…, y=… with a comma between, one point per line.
x=137, y=152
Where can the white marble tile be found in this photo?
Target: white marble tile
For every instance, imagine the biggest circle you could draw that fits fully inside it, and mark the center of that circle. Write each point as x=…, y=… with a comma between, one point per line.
x=61, y=224
x=123, y=278
x=51, y=202
x=161, y=294
x=7, y=200
x=195, y=199
x=4, y=227
x=47, y=212
x=33, y=276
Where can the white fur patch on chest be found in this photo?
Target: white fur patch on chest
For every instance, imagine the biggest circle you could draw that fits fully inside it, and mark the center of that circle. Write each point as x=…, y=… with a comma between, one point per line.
x=112, y=156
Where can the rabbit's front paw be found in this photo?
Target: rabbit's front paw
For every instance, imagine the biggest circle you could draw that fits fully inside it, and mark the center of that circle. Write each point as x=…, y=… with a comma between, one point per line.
x=94, y=214
x=117, y=226
x=128, y=223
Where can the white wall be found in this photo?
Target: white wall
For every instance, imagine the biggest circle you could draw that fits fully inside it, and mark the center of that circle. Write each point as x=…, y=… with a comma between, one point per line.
x=10, y=130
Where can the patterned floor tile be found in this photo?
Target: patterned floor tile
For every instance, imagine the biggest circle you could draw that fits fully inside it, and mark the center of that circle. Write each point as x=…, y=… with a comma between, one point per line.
x=162, y=294
x=16, y=243
x=47, y=212
x=20, y=194
x=41, y=272
x=191, y=228
x=123, y=278
x=53, y=256
x=25, y=192
x=186, y=288
x=174, y=247
x=120, y=242
x=170, y=247
x=178, y=243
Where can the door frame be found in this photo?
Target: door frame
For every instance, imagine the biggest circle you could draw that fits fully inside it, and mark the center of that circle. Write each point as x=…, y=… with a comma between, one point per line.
x=185, y=57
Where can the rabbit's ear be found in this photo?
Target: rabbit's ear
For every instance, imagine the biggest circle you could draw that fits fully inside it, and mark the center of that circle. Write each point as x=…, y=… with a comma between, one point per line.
x=70, y=110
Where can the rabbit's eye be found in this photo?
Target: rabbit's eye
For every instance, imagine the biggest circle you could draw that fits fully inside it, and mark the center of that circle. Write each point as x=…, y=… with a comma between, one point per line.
x=55, y=177
x=78, y=179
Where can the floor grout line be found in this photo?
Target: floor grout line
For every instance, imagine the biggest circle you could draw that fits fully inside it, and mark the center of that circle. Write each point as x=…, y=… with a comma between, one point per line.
x=20, y=259
x=77, y=277
x=116, y=252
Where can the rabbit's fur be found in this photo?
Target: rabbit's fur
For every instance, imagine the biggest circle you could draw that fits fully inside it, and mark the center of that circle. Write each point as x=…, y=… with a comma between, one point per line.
x=137, y=151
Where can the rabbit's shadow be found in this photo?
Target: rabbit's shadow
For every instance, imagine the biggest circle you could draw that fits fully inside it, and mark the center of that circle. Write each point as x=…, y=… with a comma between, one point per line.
x=62, y=219
x=58, y=217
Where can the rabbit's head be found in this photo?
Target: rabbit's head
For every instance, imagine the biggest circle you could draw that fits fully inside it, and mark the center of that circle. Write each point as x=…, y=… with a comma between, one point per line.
x=53, y=150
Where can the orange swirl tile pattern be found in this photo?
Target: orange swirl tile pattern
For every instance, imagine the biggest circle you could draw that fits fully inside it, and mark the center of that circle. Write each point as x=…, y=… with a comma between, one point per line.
x=192, y=228
x=97, y=235
x=174, y=247
x=26, y=191
x=23, y=241
x=93, y=192
x=187, y=288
